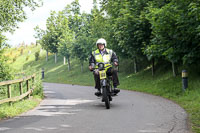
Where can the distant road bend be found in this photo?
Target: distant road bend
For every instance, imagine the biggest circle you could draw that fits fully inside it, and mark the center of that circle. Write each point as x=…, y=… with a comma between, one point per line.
x=75, y=109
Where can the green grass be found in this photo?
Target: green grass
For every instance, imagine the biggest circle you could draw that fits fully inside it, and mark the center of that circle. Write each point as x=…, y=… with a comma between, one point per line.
x=7, y=111
x=162, y=84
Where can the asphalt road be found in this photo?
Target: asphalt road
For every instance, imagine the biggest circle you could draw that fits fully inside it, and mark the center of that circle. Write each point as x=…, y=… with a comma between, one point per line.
x=75, y=109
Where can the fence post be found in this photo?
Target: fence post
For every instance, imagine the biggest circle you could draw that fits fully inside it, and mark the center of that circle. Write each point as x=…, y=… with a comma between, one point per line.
x=9, y=93
x=21, y=88
x=184, y=80
x=33, y=80
x=27, y=84
x=10, y=99
x=42, y=73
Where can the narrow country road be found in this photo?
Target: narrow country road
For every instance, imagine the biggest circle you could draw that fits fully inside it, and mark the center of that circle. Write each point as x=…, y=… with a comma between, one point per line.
x=75, y=109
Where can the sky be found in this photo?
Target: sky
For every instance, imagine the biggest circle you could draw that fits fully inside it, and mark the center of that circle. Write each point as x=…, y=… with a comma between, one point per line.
x=38, y=17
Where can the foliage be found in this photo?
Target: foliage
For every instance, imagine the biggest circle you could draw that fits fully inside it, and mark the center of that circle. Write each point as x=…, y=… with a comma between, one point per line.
x=66, y=37
x=5, y=71
x=174, y=31
x=39, y=35
x=130, y=29
x=37, y=54
x=138, y=30
x=27, y=57
x=21, y=51
x=52, y=33
x=38, y=90
x=82, y=46
x=13, y=12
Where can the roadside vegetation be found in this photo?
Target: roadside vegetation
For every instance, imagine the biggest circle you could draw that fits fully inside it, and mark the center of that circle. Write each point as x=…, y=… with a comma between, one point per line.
x=18, y=58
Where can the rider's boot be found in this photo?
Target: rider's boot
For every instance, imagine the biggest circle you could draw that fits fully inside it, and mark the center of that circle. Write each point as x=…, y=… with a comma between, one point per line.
x=116, y=90
x=98, y=93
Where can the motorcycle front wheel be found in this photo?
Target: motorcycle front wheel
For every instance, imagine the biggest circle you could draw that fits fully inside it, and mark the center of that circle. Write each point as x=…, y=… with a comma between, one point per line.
x=106, y=98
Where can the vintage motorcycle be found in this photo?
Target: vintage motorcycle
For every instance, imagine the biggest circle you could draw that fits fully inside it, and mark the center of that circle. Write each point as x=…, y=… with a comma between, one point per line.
x=106, y=85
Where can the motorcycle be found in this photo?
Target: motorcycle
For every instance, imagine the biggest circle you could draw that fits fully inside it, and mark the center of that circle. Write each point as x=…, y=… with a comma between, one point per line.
x=106, y=85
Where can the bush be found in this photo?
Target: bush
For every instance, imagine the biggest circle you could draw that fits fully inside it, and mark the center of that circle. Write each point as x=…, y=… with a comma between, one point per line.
x=3, y=90
x=21, y=51
x=27, y=57
x=5, y=71
x=37, y=54
x=38, y=90
x=14, y=59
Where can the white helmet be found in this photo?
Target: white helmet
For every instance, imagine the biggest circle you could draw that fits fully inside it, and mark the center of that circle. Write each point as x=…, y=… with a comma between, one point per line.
x=101, y=41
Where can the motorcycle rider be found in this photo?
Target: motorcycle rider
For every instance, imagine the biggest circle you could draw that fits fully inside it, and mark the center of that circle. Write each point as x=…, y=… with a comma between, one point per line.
x=102, y=54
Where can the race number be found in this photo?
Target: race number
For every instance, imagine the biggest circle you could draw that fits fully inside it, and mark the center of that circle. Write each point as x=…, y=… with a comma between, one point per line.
x=102, y=74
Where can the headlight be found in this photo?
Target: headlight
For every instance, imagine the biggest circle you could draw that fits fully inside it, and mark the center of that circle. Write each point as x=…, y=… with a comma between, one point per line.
x=101, y=66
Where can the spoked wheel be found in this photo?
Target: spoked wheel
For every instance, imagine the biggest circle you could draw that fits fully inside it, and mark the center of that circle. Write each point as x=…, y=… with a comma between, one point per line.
x=106, y=98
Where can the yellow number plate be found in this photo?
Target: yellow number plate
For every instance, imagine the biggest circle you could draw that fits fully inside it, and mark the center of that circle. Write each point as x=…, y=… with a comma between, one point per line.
x=102, y=74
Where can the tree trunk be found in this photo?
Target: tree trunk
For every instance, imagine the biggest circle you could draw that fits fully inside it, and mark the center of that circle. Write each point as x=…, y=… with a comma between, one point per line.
x=55, y=57
x=153, y=66
x=135, y=65
x=64, y=60
x=174, y=69
x=47, y=55
x=68, y=60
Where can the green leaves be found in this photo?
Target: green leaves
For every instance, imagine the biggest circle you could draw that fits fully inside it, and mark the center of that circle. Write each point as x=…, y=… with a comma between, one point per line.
x=167, y=29
x=176, y=24
x=12, y=12
x=5, y=71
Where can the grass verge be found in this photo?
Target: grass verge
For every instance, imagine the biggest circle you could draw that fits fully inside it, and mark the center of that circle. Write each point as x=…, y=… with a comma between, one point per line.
x=7, y=111
x=18, y=57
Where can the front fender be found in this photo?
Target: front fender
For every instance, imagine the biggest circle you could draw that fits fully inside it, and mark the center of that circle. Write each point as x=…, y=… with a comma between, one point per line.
x=103, y=82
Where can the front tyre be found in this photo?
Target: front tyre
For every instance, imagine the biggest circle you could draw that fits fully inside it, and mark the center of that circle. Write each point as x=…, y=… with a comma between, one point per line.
x=106, y=98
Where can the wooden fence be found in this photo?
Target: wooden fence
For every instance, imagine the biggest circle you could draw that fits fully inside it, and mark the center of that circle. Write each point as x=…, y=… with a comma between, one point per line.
x=29, y=86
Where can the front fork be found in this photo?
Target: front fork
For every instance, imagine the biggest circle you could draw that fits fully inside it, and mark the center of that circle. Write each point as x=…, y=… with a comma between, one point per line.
x=105, y=83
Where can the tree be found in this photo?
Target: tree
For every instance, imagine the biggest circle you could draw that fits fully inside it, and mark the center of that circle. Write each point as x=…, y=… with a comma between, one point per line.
x=82, y=46
x=98, y=24
x=41, y=37
x=130, y=29
x=78, y=23
x=66, y=38
x=80, y=50
x=11, y=13
x=53, y=31
x=175, y=32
